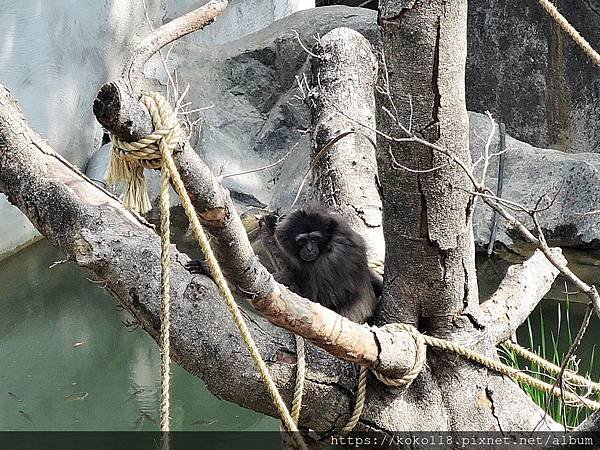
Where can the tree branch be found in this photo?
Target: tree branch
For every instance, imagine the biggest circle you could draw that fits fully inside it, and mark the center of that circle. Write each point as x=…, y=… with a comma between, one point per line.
x=121, y=249
x=175, y=29
x=343, y=77
x=591, y=424
x=339, y=336
x=518, y=294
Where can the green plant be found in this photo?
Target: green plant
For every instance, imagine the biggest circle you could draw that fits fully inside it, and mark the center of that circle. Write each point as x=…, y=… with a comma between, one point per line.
x=552, y=345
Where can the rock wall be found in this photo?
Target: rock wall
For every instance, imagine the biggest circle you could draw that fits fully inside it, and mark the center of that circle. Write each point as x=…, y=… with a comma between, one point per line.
x=532, y=76
x=529, y=73
x=569, y=182
x=54, y=55
x=258, y=115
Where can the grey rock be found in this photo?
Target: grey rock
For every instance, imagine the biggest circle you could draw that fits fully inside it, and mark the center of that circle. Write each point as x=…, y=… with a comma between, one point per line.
x=54, y=57
x=569, y=182
x=256, y=112
x=529, y=73
x=258, y=116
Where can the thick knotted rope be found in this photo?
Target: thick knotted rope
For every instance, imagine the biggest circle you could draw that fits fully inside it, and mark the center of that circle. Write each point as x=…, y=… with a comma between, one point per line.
x=127, y=163
x=129, y=159
x=420, y=356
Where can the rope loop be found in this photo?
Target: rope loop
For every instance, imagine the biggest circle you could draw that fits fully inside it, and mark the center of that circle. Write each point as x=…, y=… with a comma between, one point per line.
x=421, y=353
x=129, y=159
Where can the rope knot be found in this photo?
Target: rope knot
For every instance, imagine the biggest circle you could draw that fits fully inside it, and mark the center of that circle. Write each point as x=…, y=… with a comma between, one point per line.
x=129, y=159
x=421, y=351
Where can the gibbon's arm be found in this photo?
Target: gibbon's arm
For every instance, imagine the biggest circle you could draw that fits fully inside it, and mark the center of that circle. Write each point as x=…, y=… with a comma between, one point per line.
x=279, y=258
x=376, y=282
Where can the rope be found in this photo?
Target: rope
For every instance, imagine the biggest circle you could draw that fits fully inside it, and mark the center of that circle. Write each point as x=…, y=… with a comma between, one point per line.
x=126, y=160
x=511, y=372
x=127, y=163
x=166, y=146
x=420, y=356
x=300, y=377
x=359, y=405
x=568, y=28
x=568, y=375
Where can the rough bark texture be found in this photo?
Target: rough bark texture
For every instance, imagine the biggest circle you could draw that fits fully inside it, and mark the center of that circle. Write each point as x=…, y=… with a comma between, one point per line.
x=430, y=273
x=342, y=98
x=591, y=424
x=120, y=249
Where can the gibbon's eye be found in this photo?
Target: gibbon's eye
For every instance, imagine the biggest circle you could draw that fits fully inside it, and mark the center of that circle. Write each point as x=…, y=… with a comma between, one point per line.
x=301, y=239
x=316, y=236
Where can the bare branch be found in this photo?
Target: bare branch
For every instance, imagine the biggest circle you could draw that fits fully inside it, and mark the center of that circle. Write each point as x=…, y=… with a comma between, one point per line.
x=518, y=294
x=258, y=169
x=175, y=29
x=591, y=424
x=90, y=208
x=486, y=148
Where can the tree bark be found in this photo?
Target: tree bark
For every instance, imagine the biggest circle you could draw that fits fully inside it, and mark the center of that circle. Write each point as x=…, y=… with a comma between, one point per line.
x=339, y=336
x=430, y=266
x=120, y=250
x=342, y=98
x=430, y=278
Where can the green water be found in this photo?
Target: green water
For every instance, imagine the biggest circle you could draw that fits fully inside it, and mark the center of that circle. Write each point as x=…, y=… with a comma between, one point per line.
x=67, y=362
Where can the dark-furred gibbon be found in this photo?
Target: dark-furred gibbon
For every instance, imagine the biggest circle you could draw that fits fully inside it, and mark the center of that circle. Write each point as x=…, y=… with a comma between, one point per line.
x=324, y=260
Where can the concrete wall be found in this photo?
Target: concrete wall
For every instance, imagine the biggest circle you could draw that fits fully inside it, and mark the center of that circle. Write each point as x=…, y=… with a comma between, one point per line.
x=54, y=55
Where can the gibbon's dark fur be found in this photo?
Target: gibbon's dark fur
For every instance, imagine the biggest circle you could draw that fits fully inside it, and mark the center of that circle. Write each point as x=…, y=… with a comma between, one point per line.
x=338, y=276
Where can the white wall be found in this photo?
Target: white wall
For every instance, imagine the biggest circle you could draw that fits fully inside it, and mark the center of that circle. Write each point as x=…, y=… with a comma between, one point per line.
x=54, y=55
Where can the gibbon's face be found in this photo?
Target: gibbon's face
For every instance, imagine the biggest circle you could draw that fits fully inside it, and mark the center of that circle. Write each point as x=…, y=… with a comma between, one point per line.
x=309, y=245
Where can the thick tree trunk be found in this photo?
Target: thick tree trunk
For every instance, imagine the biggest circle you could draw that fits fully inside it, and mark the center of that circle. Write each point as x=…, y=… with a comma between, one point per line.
x=430, y=277
x=430, y=266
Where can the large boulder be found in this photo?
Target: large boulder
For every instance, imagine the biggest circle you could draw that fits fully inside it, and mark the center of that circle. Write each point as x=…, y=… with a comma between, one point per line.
x=54, y=57
x=570, y=182
x=529, y=73
x=257, y=115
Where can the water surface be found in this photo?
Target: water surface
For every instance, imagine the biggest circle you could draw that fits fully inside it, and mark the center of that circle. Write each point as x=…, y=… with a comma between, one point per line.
x=68, y=362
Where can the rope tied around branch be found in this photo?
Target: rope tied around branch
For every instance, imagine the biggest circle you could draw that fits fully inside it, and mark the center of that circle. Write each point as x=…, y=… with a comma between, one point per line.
x=423, y=340
x=129, y=159
x=127, y=163
x=421, y=353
